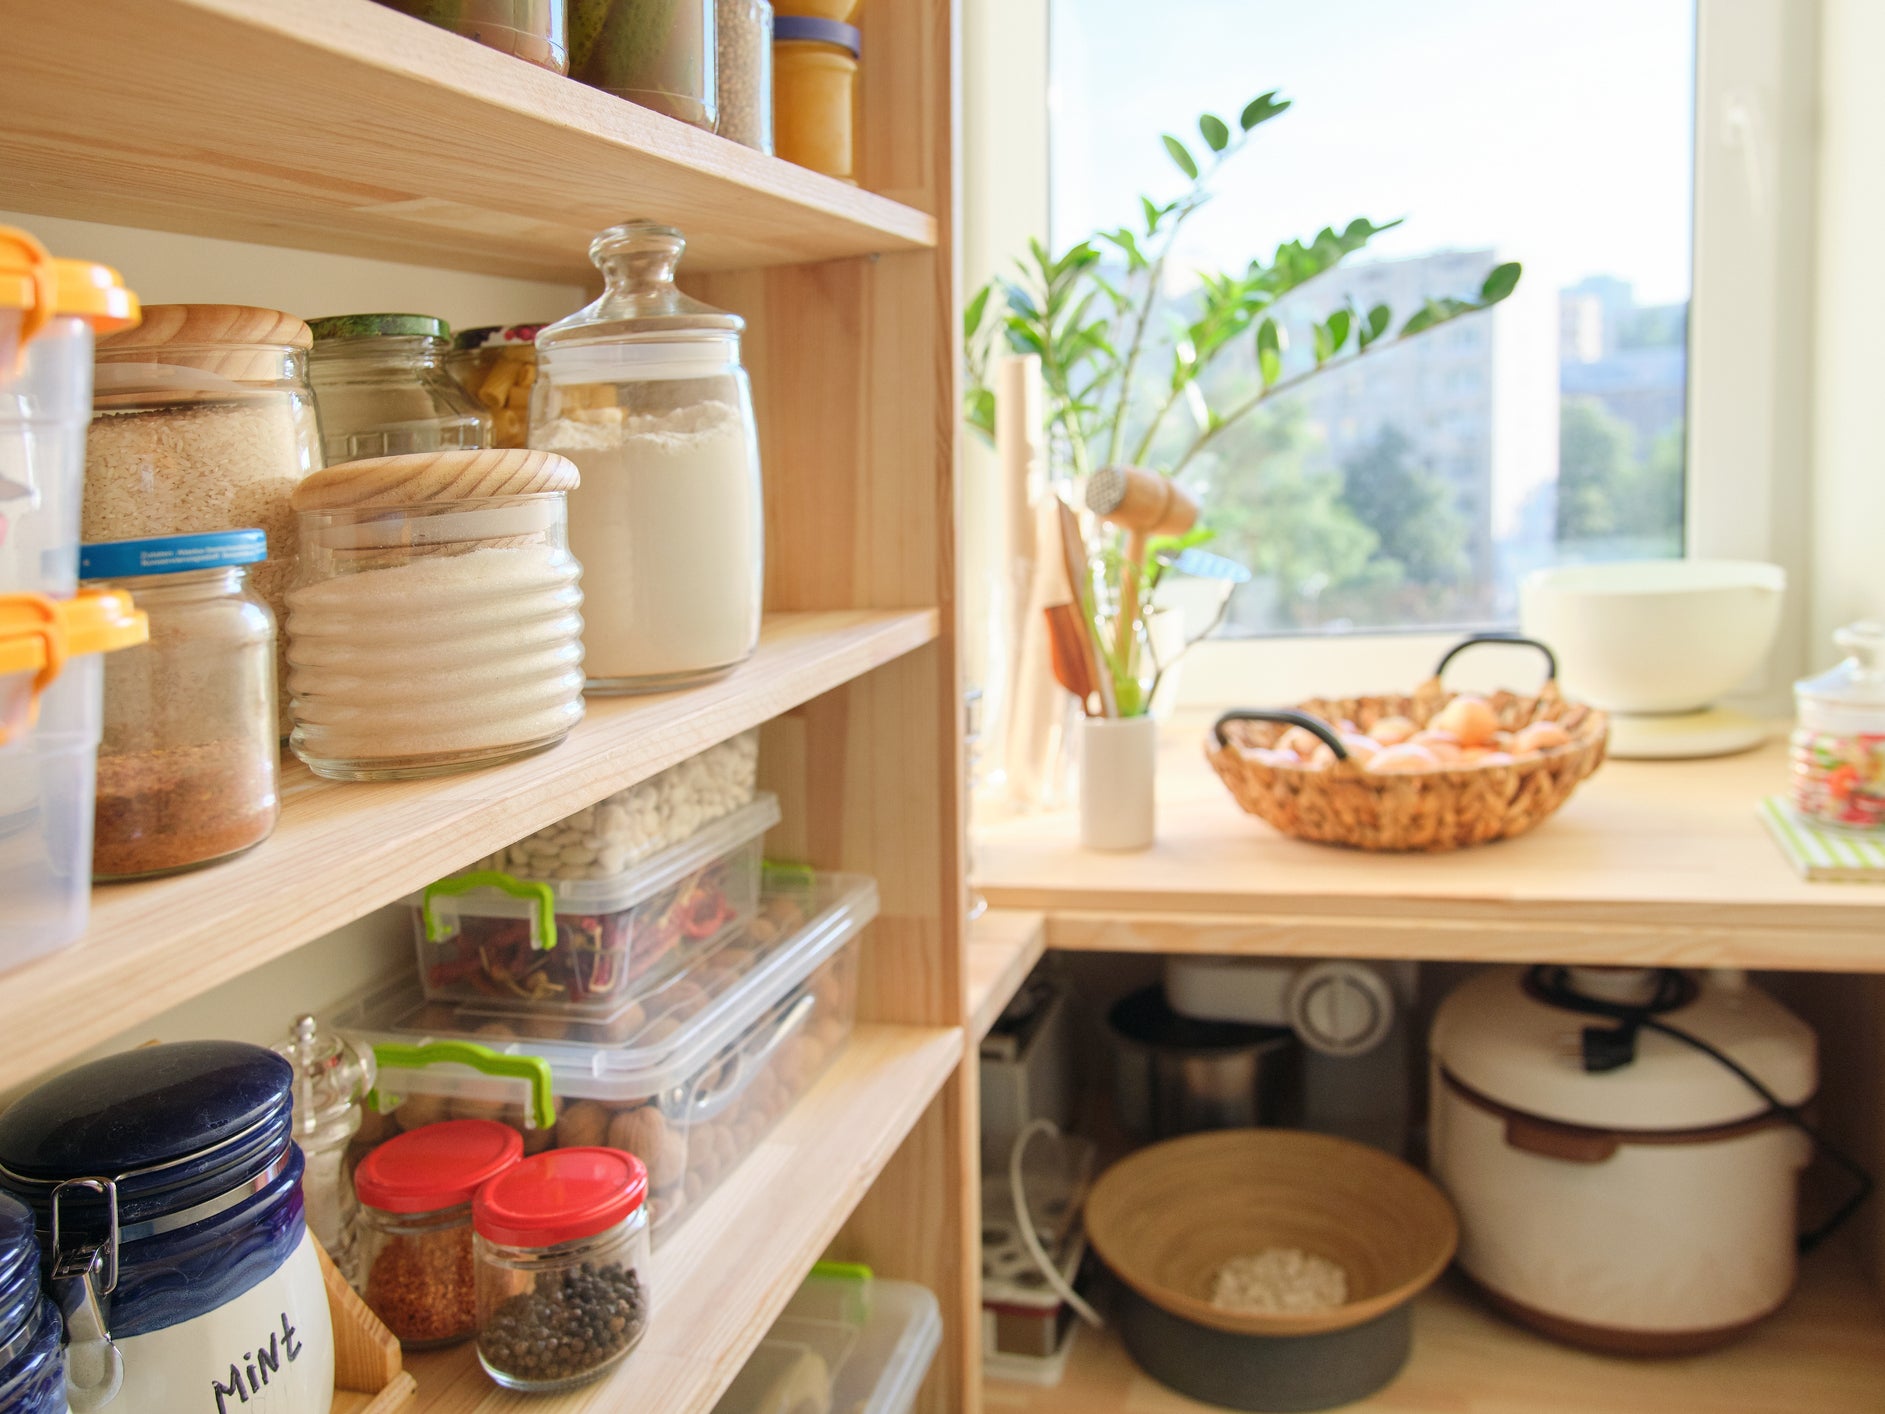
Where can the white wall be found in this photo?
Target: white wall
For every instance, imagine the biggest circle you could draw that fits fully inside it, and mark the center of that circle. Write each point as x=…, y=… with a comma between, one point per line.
x=1848, y=517
x=165, y=268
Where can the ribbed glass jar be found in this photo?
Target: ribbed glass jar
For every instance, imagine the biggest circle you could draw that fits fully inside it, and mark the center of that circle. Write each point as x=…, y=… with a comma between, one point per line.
x=436, y=625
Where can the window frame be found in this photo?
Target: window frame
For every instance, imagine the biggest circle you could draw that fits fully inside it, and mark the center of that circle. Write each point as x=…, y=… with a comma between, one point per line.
x=1747, y=428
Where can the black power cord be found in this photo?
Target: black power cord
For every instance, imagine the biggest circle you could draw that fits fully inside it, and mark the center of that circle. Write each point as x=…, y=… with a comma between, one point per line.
x=1608, y=1048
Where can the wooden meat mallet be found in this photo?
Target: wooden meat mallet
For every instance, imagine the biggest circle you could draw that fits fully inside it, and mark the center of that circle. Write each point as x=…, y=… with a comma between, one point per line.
x=1143, y=504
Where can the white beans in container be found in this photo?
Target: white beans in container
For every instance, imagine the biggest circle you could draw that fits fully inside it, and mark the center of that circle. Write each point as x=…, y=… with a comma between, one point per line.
x=603, y=839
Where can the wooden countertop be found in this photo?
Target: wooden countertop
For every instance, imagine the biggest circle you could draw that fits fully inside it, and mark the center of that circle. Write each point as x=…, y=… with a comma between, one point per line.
x=1649, y=862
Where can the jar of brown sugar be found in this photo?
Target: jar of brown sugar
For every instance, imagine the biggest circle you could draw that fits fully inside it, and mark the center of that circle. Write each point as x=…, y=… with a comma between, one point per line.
x=415, y=1195
x=187, y=762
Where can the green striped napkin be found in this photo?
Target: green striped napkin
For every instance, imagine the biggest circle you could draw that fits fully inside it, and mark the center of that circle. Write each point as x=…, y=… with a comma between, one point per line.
x=1820, y=853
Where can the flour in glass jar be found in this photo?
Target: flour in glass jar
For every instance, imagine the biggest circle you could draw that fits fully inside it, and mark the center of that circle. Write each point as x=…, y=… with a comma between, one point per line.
x=670, y=531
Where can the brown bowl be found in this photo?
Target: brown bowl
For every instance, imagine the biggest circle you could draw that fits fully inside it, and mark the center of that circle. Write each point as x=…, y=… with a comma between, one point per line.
x=1166, y=1218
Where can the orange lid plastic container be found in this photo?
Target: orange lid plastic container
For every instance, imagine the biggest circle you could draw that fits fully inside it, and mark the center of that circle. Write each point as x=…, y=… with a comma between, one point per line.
x=46, y=287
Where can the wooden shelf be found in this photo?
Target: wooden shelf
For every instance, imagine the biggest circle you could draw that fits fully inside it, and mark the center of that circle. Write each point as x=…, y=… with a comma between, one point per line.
x=1824, y=1354
x=340, y=125
x=1004, y=945
x=720, y=1282
x=342, y=850
x=1659, y=862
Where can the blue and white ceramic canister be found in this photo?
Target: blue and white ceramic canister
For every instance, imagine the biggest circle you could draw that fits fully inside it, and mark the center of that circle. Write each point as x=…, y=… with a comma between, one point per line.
x=32, y=1367
x=166, y=1192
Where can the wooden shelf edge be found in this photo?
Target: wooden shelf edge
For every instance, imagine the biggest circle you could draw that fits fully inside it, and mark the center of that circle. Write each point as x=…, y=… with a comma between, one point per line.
x=717, y=1286
x=1824, y=1353
x=1535, y=937
x=342, y=850
x=393, y=170
x=1004, y=944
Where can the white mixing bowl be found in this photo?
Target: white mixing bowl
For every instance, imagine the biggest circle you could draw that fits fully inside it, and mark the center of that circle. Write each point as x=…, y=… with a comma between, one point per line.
x=1654, y=635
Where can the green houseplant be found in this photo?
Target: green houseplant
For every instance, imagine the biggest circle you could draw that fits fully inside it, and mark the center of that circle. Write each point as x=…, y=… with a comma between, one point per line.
x=1123, y=378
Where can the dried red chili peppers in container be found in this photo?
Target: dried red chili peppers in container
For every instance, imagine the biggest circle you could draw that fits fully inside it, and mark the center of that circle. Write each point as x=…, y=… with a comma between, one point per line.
x=509, y=943
x=415, y=1196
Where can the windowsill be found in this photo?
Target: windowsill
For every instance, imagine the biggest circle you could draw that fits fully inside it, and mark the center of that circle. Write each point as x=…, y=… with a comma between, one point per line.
x=1648, y=863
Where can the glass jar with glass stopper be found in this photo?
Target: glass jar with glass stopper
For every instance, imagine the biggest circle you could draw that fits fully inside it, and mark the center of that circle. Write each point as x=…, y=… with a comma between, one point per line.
x=644, y=392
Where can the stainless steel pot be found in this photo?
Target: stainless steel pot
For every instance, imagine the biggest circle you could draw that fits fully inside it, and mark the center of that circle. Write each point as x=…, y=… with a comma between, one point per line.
x=1175, y=1075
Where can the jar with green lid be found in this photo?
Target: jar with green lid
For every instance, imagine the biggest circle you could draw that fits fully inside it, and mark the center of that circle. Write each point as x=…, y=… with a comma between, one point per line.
x=533, y=30
x=658, y=53
x=381, y=388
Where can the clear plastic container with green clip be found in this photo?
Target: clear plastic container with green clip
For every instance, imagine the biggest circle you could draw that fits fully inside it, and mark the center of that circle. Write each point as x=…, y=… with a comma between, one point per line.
x=689, y=1079
x=845, y=1341
x=507, y=944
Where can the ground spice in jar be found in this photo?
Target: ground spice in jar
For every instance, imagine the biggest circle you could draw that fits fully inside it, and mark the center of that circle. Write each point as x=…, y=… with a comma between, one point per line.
x=179, y=806
x=416, y=1240
x=424, y=1286
x=571, y=1323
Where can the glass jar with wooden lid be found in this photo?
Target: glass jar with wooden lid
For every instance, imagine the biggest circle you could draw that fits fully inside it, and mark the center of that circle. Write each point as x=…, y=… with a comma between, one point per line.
x=435, y=625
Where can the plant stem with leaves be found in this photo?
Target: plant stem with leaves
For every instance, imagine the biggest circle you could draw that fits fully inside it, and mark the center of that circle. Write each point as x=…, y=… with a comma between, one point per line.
x=1072, y=314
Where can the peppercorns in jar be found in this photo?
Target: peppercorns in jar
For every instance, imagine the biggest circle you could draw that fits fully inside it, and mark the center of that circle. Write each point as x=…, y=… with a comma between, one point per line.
x=562, y=1244
x=415, y=1195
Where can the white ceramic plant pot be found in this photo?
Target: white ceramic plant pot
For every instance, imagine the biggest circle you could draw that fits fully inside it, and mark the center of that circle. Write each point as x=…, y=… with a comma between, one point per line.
x=1118, y=761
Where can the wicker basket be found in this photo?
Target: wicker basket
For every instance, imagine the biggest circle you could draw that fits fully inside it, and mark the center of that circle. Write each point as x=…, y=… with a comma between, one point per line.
x=1428, y=810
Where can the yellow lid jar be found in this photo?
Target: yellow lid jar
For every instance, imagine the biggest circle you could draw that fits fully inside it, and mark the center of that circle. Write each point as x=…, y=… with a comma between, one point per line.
x=814, y=87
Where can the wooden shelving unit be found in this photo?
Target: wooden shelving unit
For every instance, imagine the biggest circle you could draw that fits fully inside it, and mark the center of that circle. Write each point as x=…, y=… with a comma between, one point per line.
x=342, y=850
x=1650, y=862
x=1824, y=1354
x=343, y=126
x=719, y=1283
x=1004, y=945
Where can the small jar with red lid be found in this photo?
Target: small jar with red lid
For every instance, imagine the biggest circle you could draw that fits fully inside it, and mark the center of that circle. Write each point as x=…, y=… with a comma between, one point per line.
x=415, y=1195
x=562, y=1243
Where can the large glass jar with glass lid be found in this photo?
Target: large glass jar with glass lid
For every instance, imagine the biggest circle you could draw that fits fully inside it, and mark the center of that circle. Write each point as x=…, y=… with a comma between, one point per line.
x=644, y=391
x=382, y=389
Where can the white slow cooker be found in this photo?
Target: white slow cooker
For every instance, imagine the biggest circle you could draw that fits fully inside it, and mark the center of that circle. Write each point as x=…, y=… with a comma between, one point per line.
x=1648, y=1208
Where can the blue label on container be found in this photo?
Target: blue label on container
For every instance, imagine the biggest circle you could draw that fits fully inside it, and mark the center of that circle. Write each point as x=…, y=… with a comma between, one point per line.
x=171, y=554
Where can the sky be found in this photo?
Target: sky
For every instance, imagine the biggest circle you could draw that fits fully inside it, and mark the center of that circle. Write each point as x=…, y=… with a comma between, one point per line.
x=1557, y=132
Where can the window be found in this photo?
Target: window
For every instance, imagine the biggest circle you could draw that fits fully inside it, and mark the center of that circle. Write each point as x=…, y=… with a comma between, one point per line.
x=1417, y=489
